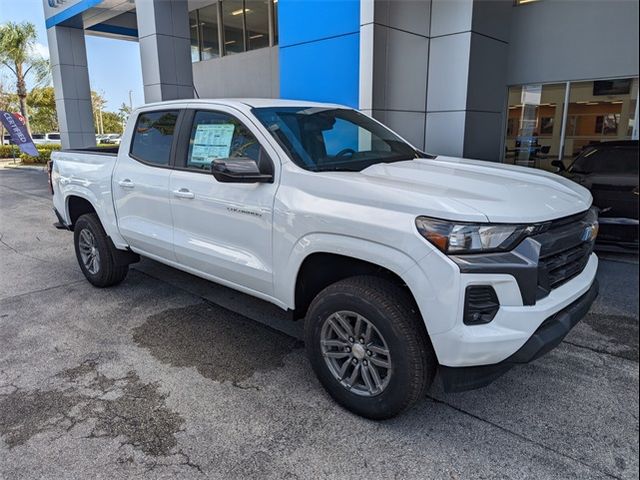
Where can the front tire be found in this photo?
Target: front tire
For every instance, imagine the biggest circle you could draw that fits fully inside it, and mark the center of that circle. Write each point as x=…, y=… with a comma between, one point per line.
x=95, y=253
x=368, y=346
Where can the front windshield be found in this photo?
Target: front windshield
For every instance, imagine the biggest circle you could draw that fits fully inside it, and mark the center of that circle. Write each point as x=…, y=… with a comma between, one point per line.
x=332, y=139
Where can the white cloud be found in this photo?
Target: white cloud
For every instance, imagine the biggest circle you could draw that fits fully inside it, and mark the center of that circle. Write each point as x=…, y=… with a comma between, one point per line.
x=40, y=50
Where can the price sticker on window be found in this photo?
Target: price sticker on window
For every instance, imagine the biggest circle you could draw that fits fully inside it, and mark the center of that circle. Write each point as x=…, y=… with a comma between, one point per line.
x=211, y=142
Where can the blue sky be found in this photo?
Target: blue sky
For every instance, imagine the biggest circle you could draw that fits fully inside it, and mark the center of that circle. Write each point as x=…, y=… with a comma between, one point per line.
x=114, y=65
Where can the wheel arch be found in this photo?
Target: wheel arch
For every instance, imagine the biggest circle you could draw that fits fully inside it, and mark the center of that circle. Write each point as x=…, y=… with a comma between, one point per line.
x=318, y=270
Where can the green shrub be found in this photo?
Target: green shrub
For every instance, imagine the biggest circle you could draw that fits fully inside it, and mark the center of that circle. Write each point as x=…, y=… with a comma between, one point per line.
x=6, y=151
x=43, y=150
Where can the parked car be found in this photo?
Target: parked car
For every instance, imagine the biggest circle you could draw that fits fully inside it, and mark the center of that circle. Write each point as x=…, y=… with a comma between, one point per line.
x=46, y=138
x=401, y=264
x=111, y=139
x=610, y=171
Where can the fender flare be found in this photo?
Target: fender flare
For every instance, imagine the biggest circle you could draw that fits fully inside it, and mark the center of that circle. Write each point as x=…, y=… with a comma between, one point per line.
x=385, y=256
x=110, y=227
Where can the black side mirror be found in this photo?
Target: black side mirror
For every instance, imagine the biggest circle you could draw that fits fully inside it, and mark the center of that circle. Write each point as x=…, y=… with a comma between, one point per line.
x=239, y=170
x=559, y=165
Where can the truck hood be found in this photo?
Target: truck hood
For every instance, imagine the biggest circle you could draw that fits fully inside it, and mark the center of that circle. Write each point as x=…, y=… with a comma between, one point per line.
x=467, y=188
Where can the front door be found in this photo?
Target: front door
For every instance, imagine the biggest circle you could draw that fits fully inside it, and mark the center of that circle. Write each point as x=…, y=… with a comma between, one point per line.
x=141, y=185
x=223, y=229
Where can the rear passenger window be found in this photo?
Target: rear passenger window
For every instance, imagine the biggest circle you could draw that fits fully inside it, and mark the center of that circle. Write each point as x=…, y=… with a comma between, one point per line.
x=153, y=137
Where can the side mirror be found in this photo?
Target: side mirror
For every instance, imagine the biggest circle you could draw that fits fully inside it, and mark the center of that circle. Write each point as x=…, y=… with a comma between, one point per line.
x=239, y=170
x=559, y=165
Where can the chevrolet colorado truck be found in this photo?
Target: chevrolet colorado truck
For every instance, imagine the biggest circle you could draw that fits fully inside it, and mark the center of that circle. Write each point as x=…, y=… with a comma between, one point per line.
x=403, y=265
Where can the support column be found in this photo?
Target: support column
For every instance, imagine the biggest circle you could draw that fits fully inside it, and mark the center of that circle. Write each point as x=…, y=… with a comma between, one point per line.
x=165, y=49
x=71, y=85
x=467, y=83
x=394, y=52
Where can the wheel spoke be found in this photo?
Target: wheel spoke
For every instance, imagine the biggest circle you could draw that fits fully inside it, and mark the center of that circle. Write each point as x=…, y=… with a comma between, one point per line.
x=375, y=376
x=380, y=362
x=345, y=324
x=343, y=335
x=337, y=354
x=378, y=350
x=368, y=333
x=344, y=367
x=335, y=342
x=367, y=380
x=354, y=376
x=358, y=328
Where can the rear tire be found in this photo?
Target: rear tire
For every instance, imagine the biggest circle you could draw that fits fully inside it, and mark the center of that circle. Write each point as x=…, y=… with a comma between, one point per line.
x=95, y=253
x=386, y=384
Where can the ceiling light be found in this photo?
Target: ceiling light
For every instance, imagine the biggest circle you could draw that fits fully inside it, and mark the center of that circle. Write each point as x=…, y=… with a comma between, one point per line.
x=240, y=10
x=253, y=37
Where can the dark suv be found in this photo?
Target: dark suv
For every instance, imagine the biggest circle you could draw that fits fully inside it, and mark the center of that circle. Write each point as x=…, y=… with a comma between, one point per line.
x=610, y=171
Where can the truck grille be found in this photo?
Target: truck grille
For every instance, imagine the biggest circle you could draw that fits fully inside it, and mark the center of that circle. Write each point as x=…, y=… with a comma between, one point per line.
x=564, y=252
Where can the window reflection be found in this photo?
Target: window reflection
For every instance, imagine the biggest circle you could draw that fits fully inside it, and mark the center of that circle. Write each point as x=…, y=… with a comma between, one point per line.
x=209, y=29
x=534, y=124
x=598, y=111
x=240, y=25
x=195, y=36
x=232, y=22
x=257, y=15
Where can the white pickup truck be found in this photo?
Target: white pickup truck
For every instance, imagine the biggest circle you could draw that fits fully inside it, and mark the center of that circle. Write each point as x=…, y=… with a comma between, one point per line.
x=402, y=264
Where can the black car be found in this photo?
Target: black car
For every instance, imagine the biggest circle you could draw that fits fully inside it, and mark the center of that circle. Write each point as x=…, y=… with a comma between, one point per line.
x=610, y=171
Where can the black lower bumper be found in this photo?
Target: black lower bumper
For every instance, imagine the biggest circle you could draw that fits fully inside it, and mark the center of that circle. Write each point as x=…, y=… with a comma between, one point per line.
x=545, y=338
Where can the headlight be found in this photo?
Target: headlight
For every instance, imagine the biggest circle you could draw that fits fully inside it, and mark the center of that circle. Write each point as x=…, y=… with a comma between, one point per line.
x=452, y=237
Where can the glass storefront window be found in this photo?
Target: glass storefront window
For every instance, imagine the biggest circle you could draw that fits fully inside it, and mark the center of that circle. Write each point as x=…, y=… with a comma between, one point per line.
x=597, y=111
x=194, y=28
x=534, y=123
x=239, y=25
x=233, y=26
x=600, y=111
x=257, y=18
x=209, y=32
x=274, y=6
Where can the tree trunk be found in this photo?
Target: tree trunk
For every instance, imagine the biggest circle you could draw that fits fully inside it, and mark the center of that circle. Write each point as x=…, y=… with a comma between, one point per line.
x=22, y=95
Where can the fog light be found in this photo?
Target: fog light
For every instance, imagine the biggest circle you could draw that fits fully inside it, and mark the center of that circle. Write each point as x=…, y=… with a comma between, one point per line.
x=480, y=304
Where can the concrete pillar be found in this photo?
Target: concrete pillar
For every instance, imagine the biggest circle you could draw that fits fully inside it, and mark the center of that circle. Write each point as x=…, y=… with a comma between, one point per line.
x=71, y=85
x=467, y=85
x=165, y=49
x=394, y=52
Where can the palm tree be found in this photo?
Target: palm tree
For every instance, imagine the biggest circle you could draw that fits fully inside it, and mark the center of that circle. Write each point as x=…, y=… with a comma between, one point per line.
x=17, y=54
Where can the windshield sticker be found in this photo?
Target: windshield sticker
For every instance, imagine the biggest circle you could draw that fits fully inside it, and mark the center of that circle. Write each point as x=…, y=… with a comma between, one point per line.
x=211, y=142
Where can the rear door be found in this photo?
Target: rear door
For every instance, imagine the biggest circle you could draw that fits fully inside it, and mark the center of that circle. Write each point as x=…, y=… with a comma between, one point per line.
x=223, y=230
x=140, y=184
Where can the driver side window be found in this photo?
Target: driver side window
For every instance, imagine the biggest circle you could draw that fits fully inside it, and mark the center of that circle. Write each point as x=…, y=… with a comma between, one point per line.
x=217, y=135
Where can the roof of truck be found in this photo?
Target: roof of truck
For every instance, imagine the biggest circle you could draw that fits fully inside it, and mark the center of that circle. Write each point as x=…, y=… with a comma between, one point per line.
x=244, y=102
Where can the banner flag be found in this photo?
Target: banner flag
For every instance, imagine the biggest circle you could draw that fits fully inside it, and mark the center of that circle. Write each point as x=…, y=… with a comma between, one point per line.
x=19, y=134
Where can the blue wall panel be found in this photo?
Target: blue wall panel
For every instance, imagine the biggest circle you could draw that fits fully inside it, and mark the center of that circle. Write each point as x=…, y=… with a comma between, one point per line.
x=308, y=20
x=319, y=50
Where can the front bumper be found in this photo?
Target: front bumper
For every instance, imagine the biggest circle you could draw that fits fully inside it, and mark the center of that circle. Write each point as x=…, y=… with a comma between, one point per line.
x=544, y=339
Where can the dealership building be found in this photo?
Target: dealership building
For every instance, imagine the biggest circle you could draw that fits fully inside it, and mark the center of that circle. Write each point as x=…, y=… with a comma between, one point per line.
x=524, y=81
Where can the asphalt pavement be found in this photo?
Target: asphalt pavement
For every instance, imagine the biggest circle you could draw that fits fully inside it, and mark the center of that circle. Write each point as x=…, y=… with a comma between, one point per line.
x=169, y=376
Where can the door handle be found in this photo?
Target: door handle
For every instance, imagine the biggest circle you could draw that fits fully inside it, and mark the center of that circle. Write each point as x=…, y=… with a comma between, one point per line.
x=184, y=193
x=126, y=183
